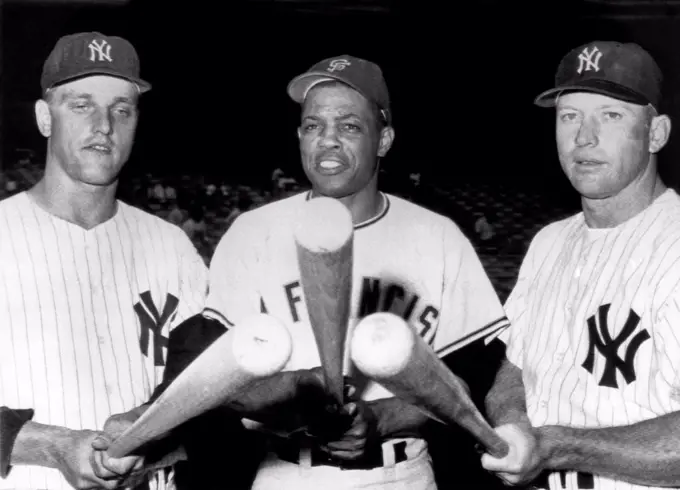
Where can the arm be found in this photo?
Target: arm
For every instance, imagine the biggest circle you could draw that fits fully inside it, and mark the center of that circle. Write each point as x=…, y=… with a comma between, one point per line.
x=645, y=453
x=505, y=402
x=69, y=451
x=397, y=418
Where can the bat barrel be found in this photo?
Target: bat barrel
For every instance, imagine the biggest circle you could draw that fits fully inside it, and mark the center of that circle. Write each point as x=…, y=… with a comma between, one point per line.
x=389, y=351
x=324, y=242
x=258, y=347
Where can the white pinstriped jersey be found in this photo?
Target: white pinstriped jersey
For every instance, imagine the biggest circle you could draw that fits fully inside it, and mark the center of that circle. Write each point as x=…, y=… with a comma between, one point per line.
x=85, y=316
x=595, y=325
x=407, y=260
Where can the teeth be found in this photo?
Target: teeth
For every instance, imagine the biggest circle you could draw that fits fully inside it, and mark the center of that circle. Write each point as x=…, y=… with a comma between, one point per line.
x=329, y=164
x=100, y=148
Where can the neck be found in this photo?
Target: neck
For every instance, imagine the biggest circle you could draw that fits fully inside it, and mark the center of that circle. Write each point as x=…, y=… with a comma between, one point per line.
x=363, y=205
x=612, y=211
x=82, y=204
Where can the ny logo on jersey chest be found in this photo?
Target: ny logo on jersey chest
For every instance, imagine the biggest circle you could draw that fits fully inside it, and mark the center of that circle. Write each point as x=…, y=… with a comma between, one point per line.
x=152, y=323
x=608, y=347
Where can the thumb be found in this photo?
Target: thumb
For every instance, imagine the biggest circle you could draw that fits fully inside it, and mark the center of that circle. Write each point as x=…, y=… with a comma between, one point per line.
x=101, y=443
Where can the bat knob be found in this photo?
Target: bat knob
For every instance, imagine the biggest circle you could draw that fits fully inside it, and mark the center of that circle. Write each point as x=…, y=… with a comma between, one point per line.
x=262, y=344
x=381, y=344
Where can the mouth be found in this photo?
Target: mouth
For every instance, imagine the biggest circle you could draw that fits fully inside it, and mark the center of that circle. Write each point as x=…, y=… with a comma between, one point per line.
x=330, y=166
x=100, y=148
x=588, y=163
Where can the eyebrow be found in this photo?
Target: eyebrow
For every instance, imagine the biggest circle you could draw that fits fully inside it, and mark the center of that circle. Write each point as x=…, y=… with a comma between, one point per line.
x=351, y=115
x=600, y=107
x=70, y=95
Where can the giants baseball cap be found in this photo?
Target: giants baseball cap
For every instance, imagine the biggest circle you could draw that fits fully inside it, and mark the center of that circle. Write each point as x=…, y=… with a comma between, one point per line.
x=91, y=53
x=623, y=71
x=363, y=76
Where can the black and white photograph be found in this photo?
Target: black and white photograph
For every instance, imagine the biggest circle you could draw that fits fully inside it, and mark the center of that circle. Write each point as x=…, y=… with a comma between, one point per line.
x=339, y=245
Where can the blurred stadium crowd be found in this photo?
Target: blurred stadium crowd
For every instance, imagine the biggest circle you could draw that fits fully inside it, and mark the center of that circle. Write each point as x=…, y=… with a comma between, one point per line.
x=500, y=220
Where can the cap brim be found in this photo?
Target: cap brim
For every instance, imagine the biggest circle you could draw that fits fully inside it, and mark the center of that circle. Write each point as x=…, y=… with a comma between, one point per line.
x=602, y=87
x=143, y=85
x=300, y=85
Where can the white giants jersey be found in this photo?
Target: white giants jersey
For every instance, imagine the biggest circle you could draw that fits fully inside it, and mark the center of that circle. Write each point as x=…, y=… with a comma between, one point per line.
x=407, y=260
x=595, y=325
x=85, y=316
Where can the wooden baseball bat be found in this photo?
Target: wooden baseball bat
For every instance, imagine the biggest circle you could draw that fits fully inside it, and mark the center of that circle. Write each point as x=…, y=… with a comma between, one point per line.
x=389, y=351
x=324, y=238
x=258, y=347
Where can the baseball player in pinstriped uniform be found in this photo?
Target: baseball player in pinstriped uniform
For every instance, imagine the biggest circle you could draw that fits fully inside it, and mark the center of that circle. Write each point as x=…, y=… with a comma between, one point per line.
x=590, y=390
x=408, y=260
x=89, y=286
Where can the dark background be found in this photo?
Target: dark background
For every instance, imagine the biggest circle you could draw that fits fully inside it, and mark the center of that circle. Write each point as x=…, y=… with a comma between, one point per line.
x=462, y=77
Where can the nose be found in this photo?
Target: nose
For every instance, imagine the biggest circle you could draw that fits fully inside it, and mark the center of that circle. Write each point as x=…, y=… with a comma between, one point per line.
x=588, y=133
x=102, y=121
x=329, y=138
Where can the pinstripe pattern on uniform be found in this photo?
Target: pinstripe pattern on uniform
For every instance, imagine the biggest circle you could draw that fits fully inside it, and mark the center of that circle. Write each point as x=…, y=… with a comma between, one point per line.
x=70, y=338
x=580, y=286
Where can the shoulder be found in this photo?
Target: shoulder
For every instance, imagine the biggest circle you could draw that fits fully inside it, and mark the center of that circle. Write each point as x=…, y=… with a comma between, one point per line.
x=12, y=203
x=268, y=216
x=156, y=228
x=412, y=214
x=556, y=230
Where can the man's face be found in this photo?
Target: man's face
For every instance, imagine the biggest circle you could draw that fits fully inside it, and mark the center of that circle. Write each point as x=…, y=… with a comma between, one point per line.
x=92, y=123
x=340, y=140
x=603, y=143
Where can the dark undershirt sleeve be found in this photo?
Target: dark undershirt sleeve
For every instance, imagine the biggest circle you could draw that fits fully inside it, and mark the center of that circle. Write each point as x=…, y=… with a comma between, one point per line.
x=11, y=422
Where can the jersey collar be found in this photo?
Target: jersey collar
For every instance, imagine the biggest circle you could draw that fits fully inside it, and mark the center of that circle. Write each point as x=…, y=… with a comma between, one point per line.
x=384, y=208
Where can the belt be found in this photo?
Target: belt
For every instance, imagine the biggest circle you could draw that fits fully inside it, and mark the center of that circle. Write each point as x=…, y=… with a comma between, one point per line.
x=370, y=461
x=584, y=481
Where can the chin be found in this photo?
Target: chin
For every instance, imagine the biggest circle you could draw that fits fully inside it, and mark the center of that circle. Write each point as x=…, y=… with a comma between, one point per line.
x=335, y=188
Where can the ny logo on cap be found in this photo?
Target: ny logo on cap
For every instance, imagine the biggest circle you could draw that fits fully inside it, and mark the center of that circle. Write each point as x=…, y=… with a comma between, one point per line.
x=100, y=51
x=589, y=60
x=337, y=65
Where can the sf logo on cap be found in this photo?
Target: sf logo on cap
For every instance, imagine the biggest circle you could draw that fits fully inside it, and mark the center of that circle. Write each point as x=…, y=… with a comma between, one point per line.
x=589, y=60
x=337, y=65
x=100, y=51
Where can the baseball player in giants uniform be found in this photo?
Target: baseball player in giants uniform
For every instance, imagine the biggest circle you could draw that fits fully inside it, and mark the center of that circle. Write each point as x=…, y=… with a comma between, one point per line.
x=408, y=260
x=89, y=286
x=590, y=390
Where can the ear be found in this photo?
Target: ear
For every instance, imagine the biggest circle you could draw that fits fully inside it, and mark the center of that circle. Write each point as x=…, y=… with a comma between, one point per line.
x=299, y=133
x=43, y=118
x=386, y=140
x=659, y=132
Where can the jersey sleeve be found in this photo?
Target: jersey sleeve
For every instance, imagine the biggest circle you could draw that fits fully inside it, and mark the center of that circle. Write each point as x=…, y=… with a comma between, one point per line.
x=517, y=303
x=11, y=422
x=193, y=282
x=471, y=309
x=233, y=291
x=666, y=336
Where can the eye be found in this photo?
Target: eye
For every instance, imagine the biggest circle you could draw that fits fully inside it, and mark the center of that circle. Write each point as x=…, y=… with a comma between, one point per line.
x=613, y=116
x=309, y=127
x=352, y=128
x=123, y=111
x=568, y=116
x=80, y=106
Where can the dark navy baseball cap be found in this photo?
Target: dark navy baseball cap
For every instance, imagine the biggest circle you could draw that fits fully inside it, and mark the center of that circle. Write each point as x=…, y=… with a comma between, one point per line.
x=91, y=53
x=624, y=71
x=363, y=76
